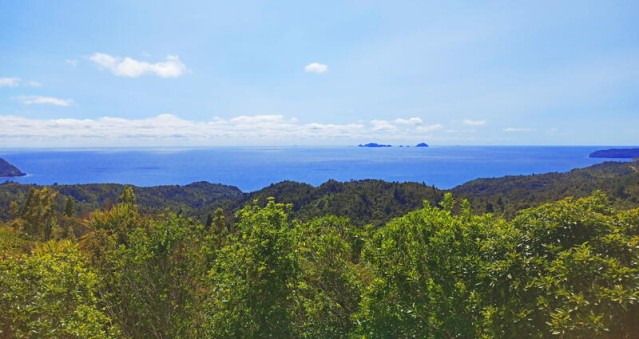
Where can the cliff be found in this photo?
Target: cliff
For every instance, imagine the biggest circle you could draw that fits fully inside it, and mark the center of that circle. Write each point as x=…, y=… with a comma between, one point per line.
x=8, y=170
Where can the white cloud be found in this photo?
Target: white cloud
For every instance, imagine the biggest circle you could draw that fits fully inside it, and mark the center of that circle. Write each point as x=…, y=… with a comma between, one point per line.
x=9, y=82
x=167, y=129
x=15, y=82
x=40, y=100
x=517, y=130
x=431, y=128
x=71, y=62
x=316, y=68
x=470, y=122
x=410, y=121
x=257, y=119
x=131, y=68
x=383, y=125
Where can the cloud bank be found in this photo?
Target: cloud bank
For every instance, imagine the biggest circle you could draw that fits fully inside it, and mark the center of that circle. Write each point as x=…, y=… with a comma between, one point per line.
x=9, y=82
x=518, y=130
x=128, y=67
x=315, y=68
x=167, y=129
x=470, y=122
x=15, y=82
x=40, y=100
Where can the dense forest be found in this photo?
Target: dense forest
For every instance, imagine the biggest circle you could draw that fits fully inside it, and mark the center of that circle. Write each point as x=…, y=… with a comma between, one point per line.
x=528, y=256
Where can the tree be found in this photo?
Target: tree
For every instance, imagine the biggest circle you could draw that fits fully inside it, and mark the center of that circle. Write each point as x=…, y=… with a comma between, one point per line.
x=253, y=277
x=51, y=293
x=69, y=207
x=327, y=292
x=38, y=213
x=428, y=269
x=154, y=282
x=128, y=196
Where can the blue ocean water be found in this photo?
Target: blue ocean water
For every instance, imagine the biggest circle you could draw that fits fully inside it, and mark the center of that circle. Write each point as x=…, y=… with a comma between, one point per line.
x=252, y=168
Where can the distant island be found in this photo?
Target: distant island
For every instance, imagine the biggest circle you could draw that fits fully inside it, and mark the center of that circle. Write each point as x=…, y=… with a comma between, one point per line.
x=627, y=153
x=373, y=144
x=8, y=170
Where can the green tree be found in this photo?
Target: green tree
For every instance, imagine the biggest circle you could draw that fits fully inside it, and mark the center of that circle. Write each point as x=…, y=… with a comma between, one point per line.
x=328, y=288
x=69, y=207
x=39, y=215
x=154, y=285
x=574, y=273
x=428, y=277
x=128, y=196
x=51, y=293
x=253, y=277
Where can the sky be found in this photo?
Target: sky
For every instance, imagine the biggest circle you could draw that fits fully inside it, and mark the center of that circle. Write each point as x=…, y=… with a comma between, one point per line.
x=110, y=73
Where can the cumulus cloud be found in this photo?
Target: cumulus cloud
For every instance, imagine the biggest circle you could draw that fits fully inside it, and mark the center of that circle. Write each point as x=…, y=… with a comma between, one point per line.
x=470, y=122
x=169, y=129
x=40, y=100
x=517, y=130
x=431, y=128
x=15, y=82
x=383, y=125
x=9, y=82
x=172, y=67
x=316, y=67
x=410, y=121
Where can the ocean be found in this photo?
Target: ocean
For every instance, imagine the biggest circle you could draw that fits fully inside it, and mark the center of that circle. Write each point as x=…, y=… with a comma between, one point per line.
x=253, y=168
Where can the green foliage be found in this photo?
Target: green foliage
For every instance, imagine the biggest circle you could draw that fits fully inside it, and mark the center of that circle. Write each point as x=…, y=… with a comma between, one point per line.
x=51, y=294
x=427, y=266
x=10, y=242
x=38, y=214
x=568, y=268
x=118, y=221
x=364, y=202
x=575, y=270
x=253, y=277
x=127, y=197
x=69, y=207
x=152, y=283
x=328, y=287
x=510, y=194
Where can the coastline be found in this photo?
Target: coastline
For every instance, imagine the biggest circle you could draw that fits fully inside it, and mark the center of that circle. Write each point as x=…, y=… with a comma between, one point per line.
x=254, y=168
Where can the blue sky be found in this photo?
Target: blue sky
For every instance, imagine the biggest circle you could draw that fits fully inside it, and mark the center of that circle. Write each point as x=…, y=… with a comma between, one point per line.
x=208, y=73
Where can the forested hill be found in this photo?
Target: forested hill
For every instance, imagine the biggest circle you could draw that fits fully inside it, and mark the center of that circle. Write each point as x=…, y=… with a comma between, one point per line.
x=89, y=197
x=8, y=170
x=138, y=267
x=364, y=201
x=507, y=195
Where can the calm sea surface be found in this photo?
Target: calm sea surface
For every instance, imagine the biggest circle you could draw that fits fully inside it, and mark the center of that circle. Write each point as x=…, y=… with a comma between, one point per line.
x=253, y=168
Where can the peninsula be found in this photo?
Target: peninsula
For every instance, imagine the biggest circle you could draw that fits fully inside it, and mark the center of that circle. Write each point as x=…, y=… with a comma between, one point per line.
x=627, y=153
x=8, y=170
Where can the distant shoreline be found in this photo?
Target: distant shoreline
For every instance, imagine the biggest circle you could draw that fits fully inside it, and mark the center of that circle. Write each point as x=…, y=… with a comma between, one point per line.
x=616, y=153
x=8, y=170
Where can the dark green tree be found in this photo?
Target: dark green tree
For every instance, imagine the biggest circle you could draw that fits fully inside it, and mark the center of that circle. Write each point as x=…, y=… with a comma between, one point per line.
x=253, y=277
x=39, y=215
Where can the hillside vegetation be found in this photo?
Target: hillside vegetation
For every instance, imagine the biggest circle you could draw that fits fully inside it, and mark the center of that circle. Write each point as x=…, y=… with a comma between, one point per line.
x=558, y=255
x=363, y=202
x=568, y=268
